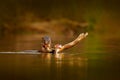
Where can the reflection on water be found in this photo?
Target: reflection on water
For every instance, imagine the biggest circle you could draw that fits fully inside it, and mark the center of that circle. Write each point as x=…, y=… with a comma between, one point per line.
x=42, y=66
x=91, y=60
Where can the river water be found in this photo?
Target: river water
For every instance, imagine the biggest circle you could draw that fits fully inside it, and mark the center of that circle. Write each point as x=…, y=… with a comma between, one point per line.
x=95, y=58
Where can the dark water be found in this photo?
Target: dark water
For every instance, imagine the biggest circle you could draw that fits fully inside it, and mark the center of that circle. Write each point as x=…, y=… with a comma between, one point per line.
x=95, y=58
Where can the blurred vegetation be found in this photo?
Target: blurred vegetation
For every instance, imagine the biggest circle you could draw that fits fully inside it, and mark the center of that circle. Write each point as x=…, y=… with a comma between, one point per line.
x=57, y=16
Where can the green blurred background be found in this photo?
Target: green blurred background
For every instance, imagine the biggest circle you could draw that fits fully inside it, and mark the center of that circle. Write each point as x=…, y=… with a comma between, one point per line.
x=44, y=16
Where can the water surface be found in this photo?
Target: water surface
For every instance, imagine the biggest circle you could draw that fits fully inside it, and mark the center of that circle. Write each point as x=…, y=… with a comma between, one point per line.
x=95, y=58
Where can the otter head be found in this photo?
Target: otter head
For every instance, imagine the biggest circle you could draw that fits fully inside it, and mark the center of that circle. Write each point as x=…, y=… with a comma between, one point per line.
x=46, y=42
